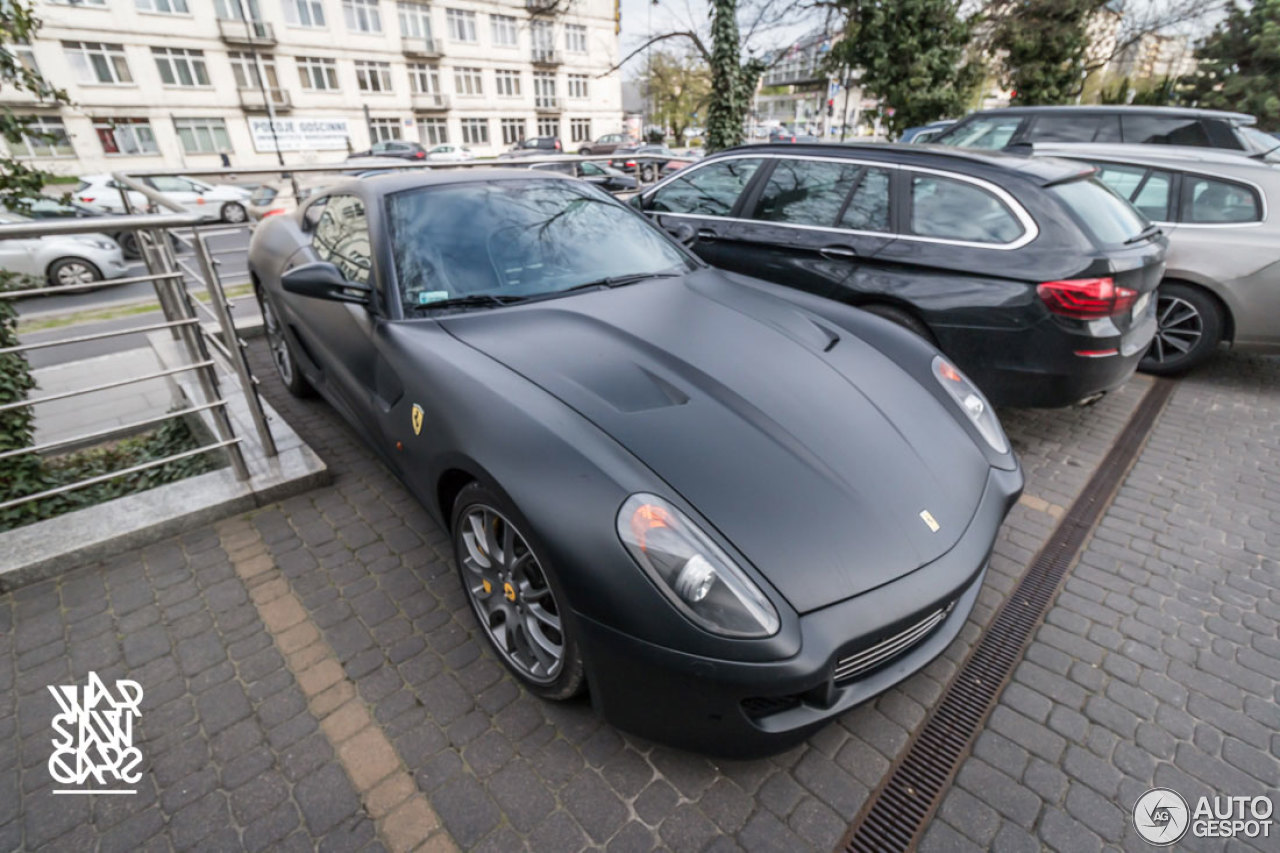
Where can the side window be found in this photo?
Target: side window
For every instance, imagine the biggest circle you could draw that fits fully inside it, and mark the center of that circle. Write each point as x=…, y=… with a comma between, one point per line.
x=173, y=184
x=1160, y=130
x=806, y=192
x=1147, y=189
x=341, y=237
x=1068, y=128
x=868, y=208
x=959, y=210
x=710, y=190
x=591, y=170
x=1206, y=200
x=993, y=131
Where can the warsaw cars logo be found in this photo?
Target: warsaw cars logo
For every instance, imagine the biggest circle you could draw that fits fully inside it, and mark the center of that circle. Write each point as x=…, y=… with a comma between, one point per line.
x=1161, y=816
x=94, y=737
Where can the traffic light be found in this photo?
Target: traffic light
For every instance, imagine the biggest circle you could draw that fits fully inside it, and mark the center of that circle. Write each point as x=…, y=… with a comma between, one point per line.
x=831, y=107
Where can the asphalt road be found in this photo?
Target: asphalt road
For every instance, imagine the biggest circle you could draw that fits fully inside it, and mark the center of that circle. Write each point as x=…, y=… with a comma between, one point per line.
x=229, y=249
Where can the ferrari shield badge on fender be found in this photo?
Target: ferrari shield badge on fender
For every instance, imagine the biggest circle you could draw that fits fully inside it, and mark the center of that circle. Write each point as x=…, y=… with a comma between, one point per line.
x=934, y=526
x=417, y=419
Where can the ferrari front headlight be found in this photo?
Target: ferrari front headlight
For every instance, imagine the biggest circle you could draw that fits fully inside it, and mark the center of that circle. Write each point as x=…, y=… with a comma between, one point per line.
x=971, y=402
x=693, y=572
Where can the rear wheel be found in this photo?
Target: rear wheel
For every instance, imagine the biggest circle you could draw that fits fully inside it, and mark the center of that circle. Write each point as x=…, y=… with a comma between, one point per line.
x=234, y=213
x=1189, y=328
x=905, y=319
x=515, y=595
x=584, y=151
x=68, y=271
x=282, y=351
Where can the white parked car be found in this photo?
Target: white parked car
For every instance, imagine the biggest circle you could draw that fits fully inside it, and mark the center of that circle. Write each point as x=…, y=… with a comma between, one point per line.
x=450, y=154
x=62, y=259
x=212, y=201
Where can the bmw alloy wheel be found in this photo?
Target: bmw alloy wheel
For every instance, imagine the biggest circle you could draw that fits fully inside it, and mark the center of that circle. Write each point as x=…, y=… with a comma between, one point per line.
x=510, y=594
x=277, y=344
x=1180, y=326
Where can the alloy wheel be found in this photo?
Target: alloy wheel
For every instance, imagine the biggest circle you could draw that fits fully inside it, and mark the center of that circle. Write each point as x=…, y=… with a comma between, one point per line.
x=510, y=594
x=1179, y=328
x=75, y=272
x=277, y=344
x=233, y=213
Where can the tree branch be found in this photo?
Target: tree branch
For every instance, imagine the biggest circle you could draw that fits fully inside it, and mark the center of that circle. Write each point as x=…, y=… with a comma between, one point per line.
x=692, y=36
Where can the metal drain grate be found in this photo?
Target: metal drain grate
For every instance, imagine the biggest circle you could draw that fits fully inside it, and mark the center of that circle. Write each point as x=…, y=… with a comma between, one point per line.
x=894, y=817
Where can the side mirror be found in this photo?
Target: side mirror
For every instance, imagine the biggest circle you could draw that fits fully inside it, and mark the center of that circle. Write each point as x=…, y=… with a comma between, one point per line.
x=322, y=280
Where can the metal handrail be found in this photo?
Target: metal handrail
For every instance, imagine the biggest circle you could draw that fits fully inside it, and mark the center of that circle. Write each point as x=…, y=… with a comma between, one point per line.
x=102, y=478
x=75, y=288
x=122, y=429
x=97, y=336
x=95, y=224
x=62, y=395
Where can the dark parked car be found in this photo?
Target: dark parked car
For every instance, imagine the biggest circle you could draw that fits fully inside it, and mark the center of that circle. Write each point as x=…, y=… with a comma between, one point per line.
x=1032, y=275
x=393, y=148
x=732, y=510
x=537, y=146
x=925, y=132
x=605, y=177
x=1143, y=125
x=644, y=161
x=605, y=144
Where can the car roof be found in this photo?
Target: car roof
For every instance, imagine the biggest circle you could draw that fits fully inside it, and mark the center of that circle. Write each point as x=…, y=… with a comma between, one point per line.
x=1169, y=156
x=1041, y=170
x=394, y=182
x=1186, y=112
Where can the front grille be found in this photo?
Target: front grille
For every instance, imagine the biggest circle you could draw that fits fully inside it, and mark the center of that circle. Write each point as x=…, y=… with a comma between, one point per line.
x=849, y=668
x=763, y=706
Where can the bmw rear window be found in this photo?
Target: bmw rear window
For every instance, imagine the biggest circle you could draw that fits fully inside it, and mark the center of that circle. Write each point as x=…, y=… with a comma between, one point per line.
x=1106, y=217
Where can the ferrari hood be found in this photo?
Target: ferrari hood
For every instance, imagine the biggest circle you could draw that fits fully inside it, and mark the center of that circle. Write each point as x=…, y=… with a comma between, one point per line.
x=810, y=451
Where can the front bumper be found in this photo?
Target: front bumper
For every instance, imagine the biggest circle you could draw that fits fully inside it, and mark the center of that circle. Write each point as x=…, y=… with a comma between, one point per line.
x=750, y=709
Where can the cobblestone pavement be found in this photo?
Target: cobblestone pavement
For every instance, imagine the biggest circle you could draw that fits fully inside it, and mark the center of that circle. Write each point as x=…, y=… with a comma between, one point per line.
x=1159, y=664
x=394, y=720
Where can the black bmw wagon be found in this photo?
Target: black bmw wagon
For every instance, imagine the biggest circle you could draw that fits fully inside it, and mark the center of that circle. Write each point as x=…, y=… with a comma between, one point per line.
x=1034, y=277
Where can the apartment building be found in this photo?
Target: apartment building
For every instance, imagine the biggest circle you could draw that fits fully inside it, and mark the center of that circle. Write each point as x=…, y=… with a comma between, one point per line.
x=180, y=83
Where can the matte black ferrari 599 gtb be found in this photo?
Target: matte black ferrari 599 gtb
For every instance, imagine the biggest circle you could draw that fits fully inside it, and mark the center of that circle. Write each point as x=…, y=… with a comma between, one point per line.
x=730, y=509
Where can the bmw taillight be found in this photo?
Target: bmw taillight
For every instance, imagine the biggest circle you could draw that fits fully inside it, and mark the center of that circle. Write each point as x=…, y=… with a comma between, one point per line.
x=1086, y=298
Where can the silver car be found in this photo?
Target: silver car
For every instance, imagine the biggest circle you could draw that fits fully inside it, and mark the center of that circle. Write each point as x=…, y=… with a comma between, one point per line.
x=61, y=259
x=1222, y=283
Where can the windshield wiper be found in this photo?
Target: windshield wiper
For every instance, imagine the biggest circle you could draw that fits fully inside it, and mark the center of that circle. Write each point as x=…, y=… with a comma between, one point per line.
x=469, y=301
x=1150, y=231
x=615, y=281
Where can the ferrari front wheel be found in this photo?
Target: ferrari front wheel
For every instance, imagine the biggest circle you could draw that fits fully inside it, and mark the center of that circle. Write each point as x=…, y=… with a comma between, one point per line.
x=514, y=595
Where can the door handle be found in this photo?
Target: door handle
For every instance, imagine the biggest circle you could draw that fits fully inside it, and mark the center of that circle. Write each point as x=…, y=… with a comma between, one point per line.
x=707, y=234
x=837, y=253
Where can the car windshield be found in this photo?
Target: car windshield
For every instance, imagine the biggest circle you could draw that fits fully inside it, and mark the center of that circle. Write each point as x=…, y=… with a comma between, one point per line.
x=1107, y=217
x=981, y=132
x=517, y=239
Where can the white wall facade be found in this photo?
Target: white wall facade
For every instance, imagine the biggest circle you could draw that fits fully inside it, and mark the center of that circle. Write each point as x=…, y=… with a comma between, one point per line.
x=136, y=27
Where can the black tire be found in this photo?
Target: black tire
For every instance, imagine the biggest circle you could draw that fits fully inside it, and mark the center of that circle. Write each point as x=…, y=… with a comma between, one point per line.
x=903, y=318
x=584, y=151
x=281, y=350
x=534, y=584
x=1190, y=323
x=68, y=271
x=234, y=213
x=128, y=241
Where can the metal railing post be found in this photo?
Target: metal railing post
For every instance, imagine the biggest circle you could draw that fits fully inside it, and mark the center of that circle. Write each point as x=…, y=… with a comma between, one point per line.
x=234, y=344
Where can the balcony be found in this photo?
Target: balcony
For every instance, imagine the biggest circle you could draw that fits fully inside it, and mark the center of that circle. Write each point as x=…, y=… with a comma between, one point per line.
x=541, y=7
x=546, y=56
x=250, y=33
x=426, y=102
x=422, y=48
x=547, y=104
x=251, y=100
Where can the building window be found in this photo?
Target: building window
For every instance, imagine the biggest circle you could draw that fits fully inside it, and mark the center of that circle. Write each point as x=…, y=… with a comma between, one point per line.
x=362, y=16
x=580, y=129
x=415, y=20
x=125, y=135
x=94, y=62
x=383, y=129
x=244, y=67
x=544, y=89
x=462, y=25
x=512, y=130
x=42, y=136
x=577, y=85
x=475, y=131
x=507, y=82
x=467, y=81
x=503, y=30
x=318, y=75
x=548, y=127
x=373, y=76
x=433, y=131
x=575, y=38
x=180, y=67
x=164, y=7
x=542, y=34
x=304, y=13
x=202, y=135
x=424, y=79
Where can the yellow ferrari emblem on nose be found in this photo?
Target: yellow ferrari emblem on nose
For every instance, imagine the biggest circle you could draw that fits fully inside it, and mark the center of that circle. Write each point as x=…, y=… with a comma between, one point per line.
x=488, y=587
x=509, y=591
x=416, y=415
x=932, y=522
